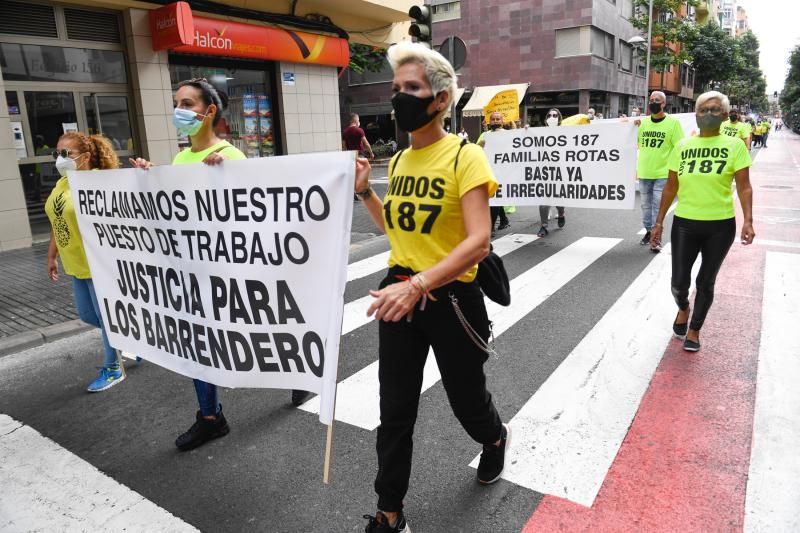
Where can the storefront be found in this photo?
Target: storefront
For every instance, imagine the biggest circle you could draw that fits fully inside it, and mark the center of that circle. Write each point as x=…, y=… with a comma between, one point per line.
x=538, y=104
x=63, y=69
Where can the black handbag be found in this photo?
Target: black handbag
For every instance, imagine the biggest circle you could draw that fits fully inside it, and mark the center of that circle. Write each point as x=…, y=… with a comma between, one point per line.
x=493, y=279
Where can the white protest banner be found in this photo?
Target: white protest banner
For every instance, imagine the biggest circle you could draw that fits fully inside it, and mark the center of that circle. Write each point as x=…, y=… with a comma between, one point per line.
x=232, y=274
x=573, y=166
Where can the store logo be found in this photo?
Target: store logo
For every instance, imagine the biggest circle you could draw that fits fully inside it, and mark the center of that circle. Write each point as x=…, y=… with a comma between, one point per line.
x=163, y=24
x=217, y=42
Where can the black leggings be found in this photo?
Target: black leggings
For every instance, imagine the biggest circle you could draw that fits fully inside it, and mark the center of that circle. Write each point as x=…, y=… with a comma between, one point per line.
x=498, y=211
x=712, y=239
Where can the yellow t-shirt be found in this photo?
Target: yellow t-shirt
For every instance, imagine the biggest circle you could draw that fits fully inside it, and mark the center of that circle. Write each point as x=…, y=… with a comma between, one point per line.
x=422, y=207
x=61, y=212
x=705, y=167
x=186, y=156
x=735, y=129
x=656, y=141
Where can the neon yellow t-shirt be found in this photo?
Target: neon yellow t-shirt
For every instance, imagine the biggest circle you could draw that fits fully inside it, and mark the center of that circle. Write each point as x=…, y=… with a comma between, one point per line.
x=705, y=167
x=735, y=129
x=61, y=212
x=422, y=207
x=225, y=148
x=656, y=141
x=765, y=126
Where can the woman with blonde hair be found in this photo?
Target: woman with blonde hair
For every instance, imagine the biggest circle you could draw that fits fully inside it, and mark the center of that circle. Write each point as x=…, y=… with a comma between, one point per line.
x=78, y=151
x=701, y=172
x=430, y=297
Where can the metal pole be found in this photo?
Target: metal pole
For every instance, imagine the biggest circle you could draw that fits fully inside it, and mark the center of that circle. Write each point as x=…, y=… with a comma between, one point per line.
x=452, y=52
x=649, y=46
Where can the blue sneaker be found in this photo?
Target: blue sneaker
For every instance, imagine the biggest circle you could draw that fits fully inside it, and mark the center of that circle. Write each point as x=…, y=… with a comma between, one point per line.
x=109, y=376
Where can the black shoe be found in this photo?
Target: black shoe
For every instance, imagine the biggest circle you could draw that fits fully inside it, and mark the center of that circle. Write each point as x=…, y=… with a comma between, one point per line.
x=542, y=232
x=493, y=234
x=691, y=346
x=562, y=220
x=680, y=329
x=299, y=396
x=645, y=240
x=380, y=524
x=504, y=225
x=202, y=431
x=493, y=459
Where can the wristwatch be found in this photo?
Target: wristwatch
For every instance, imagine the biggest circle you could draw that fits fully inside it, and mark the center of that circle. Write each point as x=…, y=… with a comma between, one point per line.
x=366, y=193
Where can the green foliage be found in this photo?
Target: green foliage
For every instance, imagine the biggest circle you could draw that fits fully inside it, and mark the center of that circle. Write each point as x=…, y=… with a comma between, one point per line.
x=366, y=58
x=668, y=29
x=790, y=97
x=713, y=53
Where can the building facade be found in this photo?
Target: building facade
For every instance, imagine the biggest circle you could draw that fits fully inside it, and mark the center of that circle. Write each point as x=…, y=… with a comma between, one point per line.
x=103, y=66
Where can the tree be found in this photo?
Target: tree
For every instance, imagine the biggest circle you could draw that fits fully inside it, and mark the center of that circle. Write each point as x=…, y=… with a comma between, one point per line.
x=790, y=96
x=747, y=87
x=713, y=55
x=668, y=27
x=366, y=58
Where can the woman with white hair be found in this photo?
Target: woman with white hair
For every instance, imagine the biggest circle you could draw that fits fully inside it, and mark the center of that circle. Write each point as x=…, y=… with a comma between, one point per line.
x=434, y=214
x=701, y=170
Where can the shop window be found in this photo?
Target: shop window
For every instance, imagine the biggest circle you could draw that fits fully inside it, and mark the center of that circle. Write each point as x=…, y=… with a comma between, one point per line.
x=36, y=20
x=573, y=41
x=33, y=62
x=602, y=44
x=109, y=115
x=248, y=121
x=385, y=74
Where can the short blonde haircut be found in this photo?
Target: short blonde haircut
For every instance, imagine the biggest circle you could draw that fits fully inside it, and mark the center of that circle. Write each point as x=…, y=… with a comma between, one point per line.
x=711, y=95
x=438, y=70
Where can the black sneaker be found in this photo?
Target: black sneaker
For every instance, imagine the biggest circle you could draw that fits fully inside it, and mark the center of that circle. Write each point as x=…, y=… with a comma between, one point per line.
x=645, y=240
x=562, y=220
x=380, y=524
x=691, y=346
x=299, y=396
x=504, y=225
x=493, y=459
x=202, y=431
x=542, y=232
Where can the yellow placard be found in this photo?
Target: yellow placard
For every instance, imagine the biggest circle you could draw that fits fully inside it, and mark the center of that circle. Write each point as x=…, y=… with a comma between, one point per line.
x=505, y=102
x=575, y=120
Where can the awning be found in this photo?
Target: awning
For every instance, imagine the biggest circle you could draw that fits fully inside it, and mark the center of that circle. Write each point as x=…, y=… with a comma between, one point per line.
x=456, y=99
x=482, y=95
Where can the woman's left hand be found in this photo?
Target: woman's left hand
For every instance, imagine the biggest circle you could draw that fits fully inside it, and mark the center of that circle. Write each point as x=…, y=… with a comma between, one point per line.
x=747, y=233
x=214, y=158
x=363, y=170
x=393, y=302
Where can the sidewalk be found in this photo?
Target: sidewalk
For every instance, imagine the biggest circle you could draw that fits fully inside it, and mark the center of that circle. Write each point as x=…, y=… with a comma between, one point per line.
x=33, y=310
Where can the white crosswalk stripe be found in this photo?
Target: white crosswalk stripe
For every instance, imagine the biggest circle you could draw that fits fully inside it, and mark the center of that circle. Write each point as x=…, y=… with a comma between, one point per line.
x=357, y=396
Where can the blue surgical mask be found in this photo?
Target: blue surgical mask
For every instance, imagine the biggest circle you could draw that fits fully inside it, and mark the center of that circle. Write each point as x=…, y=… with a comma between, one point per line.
x=186, y=122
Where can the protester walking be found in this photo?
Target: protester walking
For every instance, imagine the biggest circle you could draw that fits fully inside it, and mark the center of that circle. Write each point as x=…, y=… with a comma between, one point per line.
x=430, y=297
x=658, y=134
x=198, y=109
x=354, y=138
x=701, y=171
x=496, y=211
x=77, y=151
x=552, y=119
x=734, y=127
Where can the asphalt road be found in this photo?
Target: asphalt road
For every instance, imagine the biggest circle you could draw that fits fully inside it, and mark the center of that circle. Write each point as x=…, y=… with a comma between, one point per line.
x=266, y=475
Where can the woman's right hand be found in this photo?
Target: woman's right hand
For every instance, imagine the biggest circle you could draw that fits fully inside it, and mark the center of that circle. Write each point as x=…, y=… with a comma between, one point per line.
x=140, y=162
x=52, y=268
x=363, y=170
x=655, y=236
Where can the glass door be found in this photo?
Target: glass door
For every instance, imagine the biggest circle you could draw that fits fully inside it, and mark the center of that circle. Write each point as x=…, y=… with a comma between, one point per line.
x=109, y=114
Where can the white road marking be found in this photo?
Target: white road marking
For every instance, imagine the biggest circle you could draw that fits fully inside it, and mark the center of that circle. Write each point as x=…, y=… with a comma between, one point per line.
x=670, y=210
x=568, y=433
x=47, y=488
x=357, y=397
x=785, y=244
x=773, y=484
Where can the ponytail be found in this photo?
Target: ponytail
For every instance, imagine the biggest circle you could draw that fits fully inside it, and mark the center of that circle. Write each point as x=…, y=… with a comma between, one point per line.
x=101, y=152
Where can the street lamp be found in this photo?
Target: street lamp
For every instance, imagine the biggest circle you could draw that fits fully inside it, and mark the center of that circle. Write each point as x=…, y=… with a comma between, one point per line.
x=637, y=40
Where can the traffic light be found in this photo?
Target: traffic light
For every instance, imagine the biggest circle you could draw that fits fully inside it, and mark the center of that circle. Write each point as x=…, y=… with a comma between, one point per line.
x=421, y=28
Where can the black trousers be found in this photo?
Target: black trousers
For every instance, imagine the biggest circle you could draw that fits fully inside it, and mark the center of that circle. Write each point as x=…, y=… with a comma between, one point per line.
x=498, y=211
x=402, y=352
x=711, y=239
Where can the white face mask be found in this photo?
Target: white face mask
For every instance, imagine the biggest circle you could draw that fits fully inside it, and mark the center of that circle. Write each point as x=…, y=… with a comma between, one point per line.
x=65, y=164
x=552, y=121
x=634, y=113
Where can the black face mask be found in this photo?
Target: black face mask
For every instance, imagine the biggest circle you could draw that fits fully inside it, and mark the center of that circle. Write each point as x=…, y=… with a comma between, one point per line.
x=494, y=127
x=411, y=112
x=734, y=118
x=655, y=107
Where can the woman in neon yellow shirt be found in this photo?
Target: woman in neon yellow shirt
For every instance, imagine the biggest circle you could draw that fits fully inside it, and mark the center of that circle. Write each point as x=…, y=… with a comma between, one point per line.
x=77, y=151
x=434, y=215
x=701, y=171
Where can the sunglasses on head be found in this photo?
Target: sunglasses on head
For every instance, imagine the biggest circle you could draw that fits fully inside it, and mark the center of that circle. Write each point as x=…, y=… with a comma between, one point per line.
x=63, y=153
